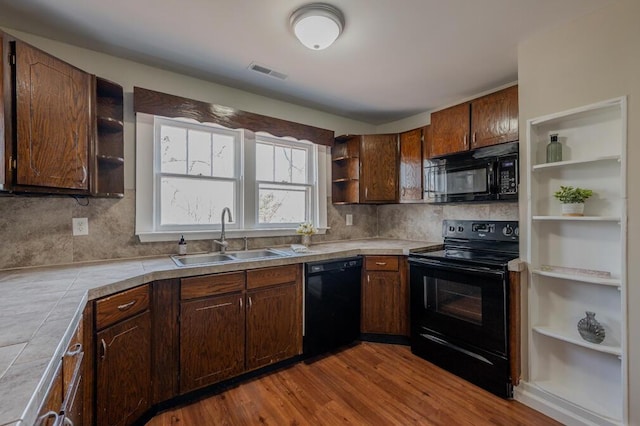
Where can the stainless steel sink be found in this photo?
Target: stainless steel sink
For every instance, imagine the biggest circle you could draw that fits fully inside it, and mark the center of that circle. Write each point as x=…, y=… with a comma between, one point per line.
x=257, y=254
x=213, y=258
x=201, y=259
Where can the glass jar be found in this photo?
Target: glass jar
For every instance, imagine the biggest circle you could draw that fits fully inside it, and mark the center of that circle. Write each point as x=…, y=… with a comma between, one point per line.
x=554, y=149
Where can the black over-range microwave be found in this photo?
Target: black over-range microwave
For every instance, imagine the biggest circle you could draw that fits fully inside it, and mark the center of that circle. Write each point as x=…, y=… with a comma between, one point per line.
x=484, y=174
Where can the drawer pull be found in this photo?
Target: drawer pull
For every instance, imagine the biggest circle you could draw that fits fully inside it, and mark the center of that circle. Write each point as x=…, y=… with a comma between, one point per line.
x=381, y=263
x=250, y=302
x=220, y=305
x=126, y=305
x=74, y=350
x=42, y=420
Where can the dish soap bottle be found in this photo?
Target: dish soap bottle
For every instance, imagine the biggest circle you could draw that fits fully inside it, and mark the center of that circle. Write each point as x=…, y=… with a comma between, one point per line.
x=182, y=245
x=554, y=149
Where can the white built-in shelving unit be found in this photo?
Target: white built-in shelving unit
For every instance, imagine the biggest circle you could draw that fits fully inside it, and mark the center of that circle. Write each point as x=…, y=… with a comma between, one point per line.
x=569, y=378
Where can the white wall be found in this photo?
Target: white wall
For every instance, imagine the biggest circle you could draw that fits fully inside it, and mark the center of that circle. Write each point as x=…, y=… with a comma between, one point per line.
x=130, y=74
x=593, y=58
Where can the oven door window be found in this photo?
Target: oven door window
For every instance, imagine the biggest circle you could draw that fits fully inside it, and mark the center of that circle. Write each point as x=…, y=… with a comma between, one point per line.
x=464, y=304
x=458, y=300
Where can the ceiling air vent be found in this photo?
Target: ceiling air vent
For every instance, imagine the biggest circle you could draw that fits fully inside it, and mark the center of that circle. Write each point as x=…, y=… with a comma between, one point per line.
x=267, y=71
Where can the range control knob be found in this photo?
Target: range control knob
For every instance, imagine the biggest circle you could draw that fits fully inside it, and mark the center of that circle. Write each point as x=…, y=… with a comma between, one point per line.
x=516, y=232
x=460, y=229
x=507, y=230
x=452, y=229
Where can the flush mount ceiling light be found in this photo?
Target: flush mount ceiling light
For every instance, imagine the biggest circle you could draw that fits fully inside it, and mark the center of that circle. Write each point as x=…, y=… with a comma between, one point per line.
x=317, y=25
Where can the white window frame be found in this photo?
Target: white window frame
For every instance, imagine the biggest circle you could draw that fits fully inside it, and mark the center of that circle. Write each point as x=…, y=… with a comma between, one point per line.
x=158, y=174
x=244, y=224
x=311, y=178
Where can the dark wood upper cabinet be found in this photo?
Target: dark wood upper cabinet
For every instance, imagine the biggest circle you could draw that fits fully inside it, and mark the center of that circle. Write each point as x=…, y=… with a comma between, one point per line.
x=385, y=296
x=411, y=165
x=379, y=168
x=211, y=340
x=488, y=120
x=494, y=118
x=450, y=130
x=61, y=129
x=53, y=128
x=123, y=373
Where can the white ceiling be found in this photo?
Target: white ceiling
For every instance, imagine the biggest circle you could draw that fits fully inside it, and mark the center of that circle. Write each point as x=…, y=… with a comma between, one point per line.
x=394, y=59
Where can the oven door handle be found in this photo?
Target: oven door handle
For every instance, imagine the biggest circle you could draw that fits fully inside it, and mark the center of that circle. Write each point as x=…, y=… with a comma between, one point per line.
x=443, y=266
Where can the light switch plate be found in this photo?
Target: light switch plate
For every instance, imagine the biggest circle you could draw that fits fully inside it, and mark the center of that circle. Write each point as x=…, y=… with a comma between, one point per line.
x=349, y=219
x=80, y=226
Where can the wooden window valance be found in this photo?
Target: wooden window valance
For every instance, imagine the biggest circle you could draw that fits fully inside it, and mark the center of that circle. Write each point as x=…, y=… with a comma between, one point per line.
x=158, y=103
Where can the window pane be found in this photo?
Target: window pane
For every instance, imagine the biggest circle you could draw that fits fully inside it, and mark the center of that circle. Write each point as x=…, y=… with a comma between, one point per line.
x=187, y=201
x=283, y=164
x=298, y=166
x=199, y=153
x=224, y=164
x=282, y=204
x=173, y=149
x=264, y=162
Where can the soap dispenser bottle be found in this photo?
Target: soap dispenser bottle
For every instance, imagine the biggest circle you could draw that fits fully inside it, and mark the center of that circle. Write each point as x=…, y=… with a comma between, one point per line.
x=182, y=245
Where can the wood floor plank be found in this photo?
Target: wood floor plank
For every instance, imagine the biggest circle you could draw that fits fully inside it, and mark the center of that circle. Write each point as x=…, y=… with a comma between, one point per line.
x=367, y=384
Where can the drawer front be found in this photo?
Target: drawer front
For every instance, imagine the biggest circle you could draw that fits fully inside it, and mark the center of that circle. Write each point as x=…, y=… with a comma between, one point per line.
x=272, y=276
x=381, y=263
x=122, y=305
x=208, y=285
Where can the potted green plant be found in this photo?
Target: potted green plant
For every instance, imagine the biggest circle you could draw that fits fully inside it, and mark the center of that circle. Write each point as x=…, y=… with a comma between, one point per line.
x=572, y=199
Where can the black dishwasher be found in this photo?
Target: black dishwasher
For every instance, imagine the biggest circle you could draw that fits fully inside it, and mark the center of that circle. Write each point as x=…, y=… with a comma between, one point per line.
x=331, y=305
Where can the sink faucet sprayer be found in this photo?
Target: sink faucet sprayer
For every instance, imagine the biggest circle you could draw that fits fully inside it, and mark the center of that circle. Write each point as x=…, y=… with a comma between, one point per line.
x=223, y=242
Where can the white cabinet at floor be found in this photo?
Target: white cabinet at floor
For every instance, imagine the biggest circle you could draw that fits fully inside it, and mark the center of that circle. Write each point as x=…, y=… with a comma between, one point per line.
x=578, y=264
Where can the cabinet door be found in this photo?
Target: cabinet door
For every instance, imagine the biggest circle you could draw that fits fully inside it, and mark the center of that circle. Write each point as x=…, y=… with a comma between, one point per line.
x=494, y=118
x=211, y=340
x=379, y=168
x=384, y=303
x=450, y=130
x=411, y=165
x=274, y=324
x=123, y=371
x=53, y=121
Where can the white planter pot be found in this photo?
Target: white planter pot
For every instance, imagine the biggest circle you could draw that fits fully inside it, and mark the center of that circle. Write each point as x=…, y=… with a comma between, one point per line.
x=573, y=209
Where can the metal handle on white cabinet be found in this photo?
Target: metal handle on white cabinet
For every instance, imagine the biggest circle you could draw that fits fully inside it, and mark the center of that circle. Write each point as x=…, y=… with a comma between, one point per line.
x=104, y=348
x=126, y=306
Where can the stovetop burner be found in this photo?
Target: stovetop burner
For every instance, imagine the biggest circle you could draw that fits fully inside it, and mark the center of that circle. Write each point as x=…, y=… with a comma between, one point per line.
x=492, y=243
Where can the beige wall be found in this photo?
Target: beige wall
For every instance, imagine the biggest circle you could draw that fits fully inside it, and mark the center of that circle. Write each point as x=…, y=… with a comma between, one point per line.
x=593, y=58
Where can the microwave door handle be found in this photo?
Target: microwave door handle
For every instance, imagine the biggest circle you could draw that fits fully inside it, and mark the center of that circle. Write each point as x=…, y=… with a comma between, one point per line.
x=490, y=178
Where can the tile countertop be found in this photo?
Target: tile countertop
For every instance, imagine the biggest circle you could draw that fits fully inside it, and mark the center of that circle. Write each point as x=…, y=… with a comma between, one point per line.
x=41, y=307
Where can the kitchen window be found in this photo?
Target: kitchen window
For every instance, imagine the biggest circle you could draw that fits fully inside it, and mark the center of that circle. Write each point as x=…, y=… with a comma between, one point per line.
x=271, y=184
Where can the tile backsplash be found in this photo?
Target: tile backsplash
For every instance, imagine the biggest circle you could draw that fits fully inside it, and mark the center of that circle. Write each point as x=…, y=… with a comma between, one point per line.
x=37, y=230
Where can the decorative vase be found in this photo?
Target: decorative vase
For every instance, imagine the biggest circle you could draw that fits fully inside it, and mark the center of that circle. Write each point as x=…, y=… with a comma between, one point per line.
x=554, y=149
x=306, y=240
x=572, y=209
x=590, y=329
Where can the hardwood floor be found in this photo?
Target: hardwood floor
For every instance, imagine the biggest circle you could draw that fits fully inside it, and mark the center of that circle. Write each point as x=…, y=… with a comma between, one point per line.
x=368, y=384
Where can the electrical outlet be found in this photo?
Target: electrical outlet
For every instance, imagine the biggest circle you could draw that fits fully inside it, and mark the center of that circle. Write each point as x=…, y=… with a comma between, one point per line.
x=80, y=226
x=349, y=219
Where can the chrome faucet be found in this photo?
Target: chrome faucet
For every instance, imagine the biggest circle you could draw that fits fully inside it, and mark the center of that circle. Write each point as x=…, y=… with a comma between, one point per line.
x=223, y=243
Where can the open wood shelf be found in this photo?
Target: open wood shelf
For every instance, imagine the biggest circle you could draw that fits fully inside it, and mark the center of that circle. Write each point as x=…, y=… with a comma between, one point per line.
x=109, y=148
